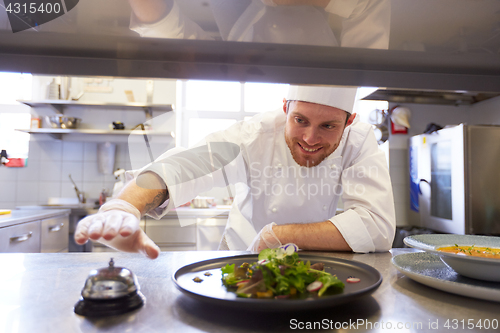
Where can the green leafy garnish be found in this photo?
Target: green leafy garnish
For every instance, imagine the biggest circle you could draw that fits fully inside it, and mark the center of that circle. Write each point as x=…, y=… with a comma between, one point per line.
x=329, y=281
x=279, y=271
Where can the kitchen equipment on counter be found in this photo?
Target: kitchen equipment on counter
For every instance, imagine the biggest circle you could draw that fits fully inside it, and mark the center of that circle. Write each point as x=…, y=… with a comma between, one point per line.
x=62, y=121
x=109, y=291
x=106, y=157
x=453, y=174
x=228, y=201
x=203, y=202
x=80, y=195
x=5, y=211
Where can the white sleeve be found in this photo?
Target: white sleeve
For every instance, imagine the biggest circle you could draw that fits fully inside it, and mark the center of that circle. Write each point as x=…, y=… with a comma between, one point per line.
x=368, y=223
x=366, y=23
x=216, y=162
x=174, y=25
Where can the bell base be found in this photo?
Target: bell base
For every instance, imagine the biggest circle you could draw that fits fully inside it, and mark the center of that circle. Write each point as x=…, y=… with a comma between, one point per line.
x=109, y=307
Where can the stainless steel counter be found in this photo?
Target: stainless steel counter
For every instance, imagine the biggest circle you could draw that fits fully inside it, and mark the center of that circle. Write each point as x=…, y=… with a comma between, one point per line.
x=38, y=292
x=23, y=216
x=185, y=212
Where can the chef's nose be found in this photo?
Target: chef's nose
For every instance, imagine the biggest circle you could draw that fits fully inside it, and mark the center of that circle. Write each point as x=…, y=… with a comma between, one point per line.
x=311, y=136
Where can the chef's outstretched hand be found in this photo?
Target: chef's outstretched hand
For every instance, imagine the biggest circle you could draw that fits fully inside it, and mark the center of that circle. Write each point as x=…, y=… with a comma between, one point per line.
x=117, y=225
x=265, y=239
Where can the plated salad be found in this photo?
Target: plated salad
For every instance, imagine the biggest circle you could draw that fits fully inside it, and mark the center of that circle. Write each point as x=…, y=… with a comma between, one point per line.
x=280, y=273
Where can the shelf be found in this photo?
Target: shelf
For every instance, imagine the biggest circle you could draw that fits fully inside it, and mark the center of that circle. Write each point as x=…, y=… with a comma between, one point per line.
x=60, y=105
x=57, y=133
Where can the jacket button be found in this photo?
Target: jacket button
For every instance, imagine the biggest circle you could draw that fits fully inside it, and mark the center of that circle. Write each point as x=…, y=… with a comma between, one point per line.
x=332, y=166
x=279, y=166
x=274, y=210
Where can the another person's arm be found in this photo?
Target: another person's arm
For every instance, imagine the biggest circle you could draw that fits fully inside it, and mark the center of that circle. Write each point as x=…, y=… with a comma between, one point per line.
x=163, y=19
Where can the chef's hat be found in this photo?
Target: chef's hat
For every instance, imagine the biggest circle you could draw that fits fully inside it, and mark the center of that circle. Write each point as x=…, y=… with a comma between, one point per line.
x=338, y=97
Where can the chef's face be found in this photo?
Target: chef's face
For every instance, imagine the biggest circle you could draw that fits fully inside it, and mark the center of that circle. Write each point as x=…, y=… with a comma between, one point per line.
x=313, y=131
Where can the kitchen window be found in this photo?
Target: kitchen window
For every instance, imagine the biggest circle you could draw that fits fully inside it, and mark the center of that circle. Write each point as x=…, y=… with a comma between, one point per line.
x=14, y=86
x=205, y=107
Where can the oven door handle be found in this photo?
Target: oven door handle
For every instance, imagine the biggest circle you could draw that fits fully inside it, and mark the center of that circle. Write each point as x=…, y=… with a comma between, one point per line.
x=425, y=181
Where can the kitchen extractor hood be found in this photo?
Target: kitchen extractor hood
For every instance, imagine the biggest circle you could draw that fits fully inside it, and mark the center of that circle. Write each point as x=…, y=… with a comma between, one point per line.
x=442, y=97
x=404, y=43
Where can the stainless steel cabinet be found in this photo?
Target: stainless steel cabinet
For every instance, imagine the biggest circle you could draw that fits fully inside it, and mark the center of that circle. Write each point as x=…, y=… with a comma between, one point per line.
x=54, y=235
x=170, y=236
x=23, y=237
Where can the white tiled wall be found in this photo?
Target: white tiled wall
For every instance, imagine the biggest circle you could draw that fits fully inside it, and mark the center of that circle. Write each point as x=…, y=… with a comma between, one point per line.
x=50, y=161
x=47, y=173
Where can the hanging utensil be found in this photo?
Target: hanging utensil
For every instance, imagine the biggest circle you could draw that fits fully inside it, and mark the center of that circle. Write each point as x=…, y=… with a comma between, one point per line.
x=80, y=195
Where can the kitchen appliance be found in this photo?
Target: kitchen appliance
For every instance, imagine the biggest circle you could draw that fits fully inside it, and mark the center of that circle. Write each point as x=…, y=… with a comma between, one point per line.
x=80, y=195
x=203, y=202
x=62, y=121
x=106, y=157
x=109, y=291
x=454, y=179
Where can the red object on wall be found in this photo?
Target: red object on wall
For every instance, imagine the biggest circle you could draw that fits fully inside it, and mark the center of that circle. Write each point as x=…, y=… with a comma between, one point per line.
x=15, y=163
x=398, y=129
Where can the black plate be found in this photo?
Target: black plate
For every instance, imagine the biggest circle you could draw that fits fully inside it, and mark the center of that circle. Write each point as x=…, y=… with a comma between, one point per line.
x=212, y=290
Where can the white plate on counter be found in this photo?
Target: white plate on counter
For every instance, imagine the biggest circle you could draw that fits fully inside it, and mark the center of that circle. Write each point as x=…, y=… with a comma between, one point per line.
x=429, y=270
x=474, y=267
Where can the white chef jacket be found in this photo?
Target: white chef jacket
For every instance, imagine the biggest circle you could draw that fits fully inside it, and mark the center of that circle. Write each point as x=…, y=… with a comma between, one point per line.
x=272, y=187
x=364, y=23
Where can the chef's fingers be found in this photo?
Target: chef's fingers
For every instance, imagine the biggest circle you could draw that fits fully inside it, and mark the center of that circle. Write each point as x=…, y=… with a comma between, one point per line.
x=130, y=224
x=81, y=232
x=96, y=225
x=147, y=246
x=112, y=225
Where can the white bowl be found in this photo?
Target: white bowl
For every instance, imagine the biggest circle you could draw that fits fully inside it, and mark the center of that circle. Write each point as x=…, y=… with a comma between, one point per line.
x=487, y=269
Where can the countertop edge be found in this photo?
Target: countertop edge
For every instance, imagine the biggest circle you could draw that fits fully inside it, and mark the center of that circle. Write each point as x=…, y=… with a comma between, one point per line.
x=25, y=216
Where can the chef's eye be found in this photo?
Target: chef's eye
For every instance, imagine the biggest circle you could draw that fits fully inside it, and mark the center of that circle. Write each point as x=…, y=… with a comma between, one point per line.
x=300, y=120
x=329, y=126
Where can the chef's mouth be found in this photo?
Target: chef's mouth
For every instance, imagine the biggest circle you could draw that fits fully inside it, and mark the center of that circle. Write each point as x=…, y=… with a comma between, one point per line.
x=309, y=150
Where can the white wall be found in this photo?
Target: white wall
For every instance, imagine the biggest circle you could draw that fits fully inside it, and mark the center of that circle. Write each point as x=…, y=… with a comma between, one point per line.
x=50, y=161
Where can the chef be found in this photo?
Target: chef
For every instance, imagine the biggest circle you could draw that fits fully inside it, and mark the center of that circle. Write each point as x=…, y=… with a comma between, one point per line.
x=358, y=23
x=290, y=167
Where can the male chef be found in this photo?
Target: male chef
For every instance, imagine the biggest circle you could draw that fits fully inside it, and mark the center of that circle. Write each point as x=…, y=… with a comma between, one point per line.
x=290, y=168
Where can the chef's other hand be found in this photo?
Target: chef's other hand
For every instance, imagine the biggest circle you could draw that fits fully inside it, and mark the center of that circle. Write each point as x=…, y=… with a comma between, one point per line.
x=117, y=225
x=265, y=239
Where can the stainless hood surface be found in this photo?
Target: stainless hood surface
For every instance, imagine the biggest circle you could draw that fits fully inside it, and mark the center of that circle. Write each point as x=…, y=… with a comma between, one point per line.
x=428, y=45
x=444, y=97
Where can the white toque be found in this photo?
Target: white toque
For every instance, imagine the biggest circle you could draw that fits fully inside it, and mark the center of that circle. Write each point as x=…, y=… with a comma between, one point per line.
x=338, y=97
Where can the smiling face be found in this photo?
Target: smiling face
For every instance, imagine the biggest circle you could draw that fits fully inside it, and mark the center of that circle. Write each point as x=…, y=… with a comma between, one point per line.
x=313, y=131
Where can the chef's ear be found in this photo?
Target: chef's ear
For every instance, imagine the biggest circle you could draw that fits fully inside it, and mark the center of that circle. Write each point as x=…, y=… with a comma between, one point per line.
x=284, y=105
x=350, y=119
